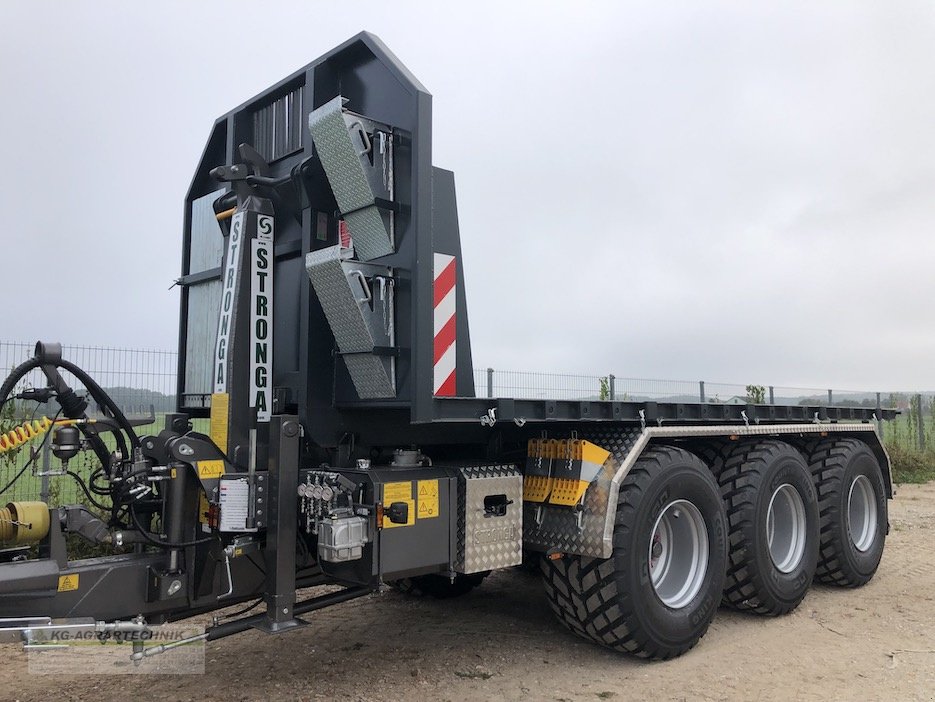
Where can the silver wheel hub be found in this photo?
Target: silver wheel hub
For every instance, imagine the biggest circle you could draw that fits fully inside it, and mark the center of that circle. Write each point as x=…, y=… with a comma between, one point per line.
x=678, y=553
x=861, y=513
x=786, y=528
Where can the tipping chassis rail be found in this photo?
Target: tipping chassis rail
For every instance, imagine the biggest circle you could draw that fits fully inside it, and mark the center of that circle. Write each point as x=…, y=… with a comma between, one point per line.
x=352, y=451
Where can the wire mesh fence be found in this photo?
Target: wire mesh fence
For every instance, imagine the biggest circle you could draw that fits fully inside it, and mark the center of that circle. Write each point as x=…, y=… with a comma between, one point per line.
x=490, y=382
x=141, y=381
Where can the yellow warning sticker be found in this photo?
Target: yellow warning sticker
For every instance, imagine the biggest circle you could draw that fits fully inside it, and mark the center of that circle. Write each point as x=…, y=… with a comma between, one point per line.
x=428, y=499
x=210, y=469
x=203, y=507
x=220, y=411
x=67, y=583
x=399, y=492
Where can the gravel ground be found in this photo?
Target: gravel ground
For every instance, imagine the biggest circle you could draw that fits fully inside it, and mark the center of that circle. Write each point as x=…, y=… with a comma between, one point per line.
x=501, y=643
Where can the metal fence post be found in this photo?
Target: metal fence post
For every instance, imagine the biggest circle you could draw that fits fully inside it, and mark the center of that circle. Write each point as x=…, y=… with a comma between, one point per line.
x=772, y=399
x=701, y=391
x=879, y=418
x=46, y=467
x=920, y=423
x=611, y=379
x=490, y=382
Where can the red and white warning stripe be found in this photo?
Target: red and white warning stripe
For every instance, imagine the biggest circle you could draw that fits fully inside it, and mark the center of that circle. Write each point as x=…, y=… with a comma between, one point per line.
x=344, y=234
x=445, y=294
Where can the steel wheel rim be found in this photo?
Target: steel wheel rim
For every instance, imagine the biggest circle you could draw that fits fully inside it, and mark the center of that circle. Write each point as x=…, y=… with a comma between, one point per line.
x=861, y=513
x=678, y=553
x=786, y=528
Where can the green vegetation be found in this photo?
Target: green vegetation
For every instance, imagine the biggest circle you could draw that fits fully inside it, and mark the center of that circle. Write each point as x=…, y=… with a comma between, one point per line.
x=756, y=394
x=911, y=465
x=910, y=440
x=605, y=387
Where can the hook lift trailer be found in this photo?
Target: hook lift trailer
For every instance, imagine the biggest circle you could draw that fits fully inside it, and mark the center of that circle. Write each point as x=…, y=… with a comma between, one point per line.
x=324, y=332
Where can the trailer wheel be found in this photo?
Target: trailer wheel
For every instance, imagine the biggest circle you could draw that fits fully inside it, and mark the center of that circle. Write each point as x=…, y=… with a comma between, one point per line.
x=772, y=515
x=852, y=508
x=439, y=586
x=657, y=594
x=559, y=577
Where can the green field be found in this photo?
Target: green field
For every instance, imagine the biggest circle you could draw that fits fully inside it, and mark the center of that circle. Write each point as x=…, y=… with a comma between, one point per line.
x=913, y=461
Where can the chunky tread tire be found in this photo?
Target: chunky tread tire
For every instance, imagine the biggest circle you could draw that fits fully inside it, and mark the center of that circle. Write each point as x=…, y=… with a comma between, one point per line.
x=749, y=473
x=438, y=586
x=557, y=577
x=835, y=464
x=612, y=601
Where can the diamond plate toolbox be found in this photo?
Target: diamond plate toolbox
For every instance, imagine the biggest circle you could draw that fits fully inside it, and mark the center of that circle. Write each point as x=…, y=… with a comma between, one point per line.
x=490, y=518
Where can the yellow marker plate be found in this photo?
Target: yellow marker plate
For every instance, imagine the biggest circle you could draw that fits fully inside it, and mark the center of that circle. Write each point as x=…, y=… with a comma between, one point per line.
x=210, y=469
x=220, y=411
x=203, y=507
x=68, y=583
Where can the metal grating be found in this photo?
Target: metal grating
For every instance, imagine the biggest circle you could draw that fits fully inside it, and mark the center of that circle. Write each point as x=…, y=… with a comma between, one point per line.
x=372, y=235
x=373, y=376
x=277, y=127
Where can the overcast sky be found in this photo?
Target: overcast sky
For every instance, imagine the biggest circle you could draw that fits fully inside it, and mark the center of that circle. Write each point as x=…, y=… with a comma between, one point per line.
x=736, y=192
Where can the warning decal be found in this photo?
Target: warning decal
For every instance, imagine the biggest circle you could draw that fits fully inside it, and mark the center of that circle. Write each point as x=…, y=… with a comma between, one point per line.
x=220, y=413
x=399, y=492
x=67, y=583
x=428, y=499
x=210, y=469
x=203, y=507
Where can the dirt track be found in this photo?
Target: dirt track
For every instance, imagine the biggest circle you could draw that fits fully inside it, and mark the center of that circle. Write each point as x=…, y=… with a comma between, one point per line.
x=501, y=643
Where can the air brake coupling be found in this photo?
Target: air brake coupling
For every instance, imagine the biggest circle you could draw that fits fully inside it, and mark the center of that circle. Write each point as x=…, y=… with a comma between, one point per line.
x=23, y=523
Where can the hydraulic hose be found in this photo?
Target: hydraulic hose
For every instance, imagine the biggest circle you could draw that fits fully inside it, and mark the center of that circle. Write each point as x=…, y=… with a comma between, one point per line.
x=158, y=542
x=15, y=376
x=73, y=406
x=103, y=398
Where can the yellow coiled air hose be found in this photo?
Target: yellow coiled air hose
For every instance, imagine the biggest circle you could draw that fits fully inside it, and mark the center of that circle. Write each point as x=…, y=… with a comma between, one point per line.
x=17, y=436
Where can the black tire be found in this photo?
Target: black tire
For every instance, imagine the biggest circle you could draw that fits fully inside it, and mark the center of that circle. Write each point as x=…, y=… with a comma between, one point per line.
x=753, y=477
x=613, y=601
x=557, y=577
x=439, y=586
x=838, y=467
